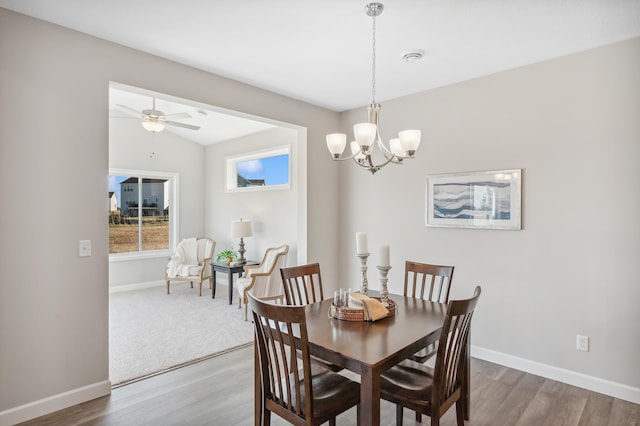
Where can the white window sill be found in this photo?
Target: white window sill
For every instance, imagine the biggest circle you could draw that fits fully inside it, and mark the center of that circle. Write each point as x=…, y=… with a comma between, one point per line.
x=125, y=257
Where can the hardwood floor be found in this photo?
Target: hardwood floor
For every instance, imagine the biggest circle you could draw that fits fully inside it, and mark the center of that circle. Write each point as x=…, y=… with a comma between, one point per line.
x=219, y=391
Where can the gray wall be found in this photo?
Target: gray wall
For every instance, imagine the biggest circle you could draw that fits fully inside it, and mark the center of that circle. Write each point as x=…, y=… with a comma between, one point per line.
x=273, y=213
x=54, y=130
x=572, y=124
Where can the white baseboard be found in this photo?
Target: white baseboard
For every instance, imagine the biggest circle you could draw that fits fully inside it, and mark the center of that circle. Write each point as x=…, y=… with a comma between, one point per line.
x=595, y=384
x=137, y=286
x=221, y=279
x=54, y=403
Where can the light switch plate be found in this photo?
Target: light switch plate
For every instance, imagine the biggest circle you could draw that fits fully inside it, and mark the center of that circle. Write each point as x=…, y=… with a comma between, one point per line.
x=84, y=248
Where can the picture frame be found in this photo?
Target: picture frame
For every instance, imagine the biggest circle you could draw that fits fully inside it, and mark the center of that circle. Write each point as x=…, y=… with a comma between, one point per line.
x=481, y=200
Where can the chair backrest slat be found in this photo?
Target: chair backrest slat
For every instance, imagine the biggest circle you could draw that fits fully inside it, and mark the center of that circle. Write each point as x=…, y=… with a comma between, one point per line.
x=422, y=279
x=302, y=284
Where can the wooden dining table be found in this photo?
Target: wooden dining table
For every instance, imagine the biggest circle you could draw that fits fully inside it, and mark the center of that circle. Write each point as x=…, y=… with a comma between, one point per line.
x=370, y=348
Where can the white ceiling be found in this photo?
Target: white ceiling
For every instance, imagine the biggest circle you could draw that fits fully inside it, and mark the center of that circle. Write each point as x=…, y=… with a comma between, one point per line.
x=321, y=52
x=216, y=125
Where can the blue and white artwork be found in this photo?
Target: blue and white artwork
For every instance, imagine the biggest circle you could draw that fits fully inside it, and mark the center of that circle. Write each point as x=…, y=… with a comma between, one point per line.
x=475, y=200
x=489, y=200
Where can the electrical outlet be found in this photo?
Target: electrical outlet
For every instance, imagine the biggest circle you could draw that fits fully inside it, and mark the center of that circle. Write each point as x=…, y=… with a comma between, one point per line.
x=582, y=343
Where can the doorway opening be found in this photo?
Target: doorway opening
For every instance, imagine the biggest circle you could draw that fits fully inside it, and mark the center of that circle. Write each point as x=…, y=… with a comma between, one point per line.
x=173, y=180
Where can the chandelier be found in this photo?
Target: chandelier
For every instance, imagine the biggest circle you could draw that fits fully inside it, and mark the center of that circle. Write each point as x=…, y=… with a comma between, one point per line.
x=367, y=135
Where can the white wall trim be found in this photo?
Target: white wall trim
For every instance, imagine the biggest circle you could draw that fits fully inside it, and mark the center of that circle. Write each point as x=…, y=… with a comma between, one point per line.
x=595, y=384
x=54, y=403
x=136, y=286
x=221, y=279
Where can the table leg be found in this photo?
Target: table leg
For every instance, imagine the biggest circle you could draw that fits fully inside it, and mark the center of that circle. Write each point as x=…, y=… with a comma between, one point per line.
x=230, y=287
x=370, y=398
x=213, y=282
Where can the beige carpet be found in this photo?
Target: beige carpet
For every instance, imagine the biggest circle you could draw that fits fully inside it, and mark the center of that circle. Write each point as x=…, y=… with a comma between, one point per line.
x=150, y=331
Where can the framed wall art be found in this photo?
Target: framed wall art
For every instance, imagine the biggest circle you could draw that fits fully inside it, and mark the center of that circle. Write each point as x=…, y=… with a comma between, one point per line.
x=483, y=200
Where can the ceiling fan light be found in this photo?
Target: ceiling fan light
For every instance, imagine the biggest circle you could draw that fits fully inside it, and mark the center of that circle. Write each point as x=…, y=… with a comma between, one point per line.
x=153, y=126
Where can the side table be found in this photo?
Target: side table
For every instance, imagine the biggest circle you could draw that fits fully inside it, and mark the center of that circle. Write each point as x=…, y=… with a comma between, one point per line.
x=229, y=270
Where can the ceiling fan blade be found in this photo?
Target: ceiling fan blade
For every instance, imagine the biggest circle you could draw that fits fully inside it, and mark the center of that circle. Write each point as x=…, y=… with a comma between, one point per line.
x=126, y=117
x=178, y=115
x=184, y=125
x=133, y=111
x=117, y=113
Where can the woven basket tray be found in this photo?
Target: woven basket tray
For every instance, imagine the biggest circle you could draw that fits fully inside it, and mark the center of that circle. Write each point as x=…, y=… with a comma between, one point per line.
x=349, y=314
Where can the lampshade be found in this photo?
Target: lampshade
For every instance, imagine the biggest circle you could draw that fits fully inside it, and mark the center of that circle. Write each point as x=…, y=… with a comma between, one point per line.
x=396, y=148
x=355, y=150
x=241, y=228
x=153, y=125
x=365, y=134
x=410, y=140
x=336, y=143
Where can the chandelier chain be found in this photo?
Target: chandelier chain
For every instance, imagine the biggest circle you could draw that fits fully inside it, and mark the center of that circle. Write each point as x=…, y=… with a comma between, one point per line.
x=373, y=66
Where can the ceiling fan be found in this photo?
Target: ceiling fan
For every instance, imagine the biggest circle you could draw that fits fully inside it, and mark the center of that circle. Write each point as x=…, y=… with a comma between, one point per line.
x=154, y=120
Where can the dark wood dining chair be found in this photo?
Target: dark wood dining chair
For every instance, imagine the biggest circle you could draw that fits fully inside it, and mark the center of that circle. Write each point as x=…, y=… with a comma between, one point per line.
x=433, y=391
x=291, y=387
x=427, y=282
x=302, y=284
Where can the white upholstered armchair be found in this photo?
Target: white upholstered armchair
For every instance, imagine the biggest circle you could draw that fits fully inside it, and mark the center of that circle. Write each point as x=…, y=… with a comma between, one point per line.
x=264, y=280
x=191, y=262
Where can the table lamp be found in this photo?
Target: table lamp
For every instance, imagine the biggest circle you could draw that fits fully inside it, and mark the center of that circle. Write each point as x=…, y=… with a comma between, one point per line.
x=240, y=229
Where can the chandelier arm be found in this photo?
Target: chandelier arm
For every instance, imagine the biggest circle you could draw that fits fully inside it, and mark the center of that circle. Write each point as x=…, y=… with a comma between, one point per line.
x=363, y=163
x=388, y=154
x=381, y=165
x=393, y=159
x=383, y=148
x=346, y=158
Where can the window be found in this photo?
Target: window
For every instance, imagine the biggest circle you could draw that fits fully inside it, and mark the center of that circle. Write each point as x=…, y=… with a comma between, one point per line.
x=269, y=169
x=142, y=212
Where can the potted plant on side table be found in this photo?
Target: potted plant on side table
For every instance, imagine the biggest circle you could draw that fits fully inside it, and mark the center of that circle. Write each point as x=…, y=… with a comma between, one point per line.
x=228, y=256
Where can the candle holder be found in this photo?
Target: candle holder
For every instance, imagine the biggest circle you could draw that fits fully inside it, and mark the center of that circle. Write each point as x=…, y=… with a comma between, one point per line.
x=384, y=294
x=364, y=286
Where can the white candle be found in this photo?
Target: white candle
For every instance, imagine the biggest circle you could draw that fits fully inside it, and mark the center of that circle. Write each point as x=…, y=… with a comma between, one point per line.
x=361, y=243
x=384, y=255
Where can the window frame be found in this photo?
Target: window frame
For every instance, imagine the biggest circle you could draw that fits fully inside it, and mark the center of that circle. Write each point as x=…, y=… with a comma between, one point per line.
x=231, y=169
x=173, y=185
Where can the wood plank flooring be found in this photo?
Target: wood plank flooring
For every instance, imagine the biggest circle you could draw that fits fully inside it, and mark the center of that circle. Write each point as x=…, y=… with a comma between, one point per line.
x=219, y=391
